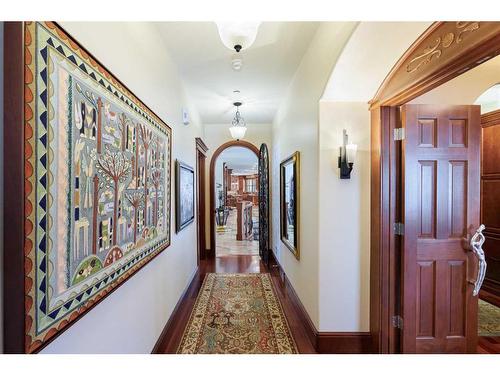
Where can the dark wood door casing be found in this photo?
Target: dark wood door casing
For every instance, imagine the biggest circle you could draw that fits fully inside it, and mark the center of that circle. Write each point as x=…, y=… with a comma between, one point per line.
x=490, y=203
x=384, y=245
x=13, y=243
x=441, y=174
x=201, y=156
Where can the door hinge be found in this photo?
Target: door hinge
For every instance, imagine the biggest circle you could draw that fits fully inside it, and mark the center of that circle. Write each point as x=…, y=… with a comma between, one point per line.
x=399, y=229
x=397, y=321
x=399, y=134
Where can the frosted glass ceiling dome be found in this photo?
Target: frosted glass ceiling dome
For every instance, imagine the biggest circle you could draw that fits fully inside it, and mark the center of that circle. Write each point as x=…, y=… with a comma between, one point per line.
x=238, y=35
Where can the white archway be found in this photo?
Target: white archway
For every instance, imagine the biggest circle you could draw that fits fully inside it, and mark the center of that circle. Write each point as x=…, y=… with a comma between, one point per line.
x=344, y=210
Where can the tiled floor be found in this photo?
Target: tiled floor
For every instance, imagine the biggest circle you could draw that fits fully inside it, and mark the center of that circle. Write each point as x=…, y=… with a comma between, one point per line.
x=226, y=243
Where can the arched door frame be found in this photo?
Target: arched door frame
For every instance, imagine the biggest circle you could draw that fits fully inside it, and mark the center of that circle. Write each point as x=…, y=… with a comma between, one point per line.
x=238, y=143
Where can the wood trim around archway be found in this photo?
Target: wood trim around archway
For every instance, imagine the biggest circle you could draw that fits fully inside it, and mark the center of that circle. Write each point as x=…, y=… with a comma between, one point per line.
x=213, y=160
x=444, y=51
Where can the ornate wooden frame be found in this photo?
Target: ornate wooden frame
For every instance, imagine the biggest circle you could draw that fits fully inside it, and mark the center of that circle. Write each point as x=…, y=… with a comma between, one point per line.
x=444, y=51
x=213, y=160
x=293, y=159
x=17, y=245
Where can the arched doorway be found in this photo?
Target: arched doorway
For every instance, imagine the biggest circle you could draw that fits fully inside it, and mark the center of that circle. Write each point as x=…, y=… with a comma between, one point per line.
x=213, y=202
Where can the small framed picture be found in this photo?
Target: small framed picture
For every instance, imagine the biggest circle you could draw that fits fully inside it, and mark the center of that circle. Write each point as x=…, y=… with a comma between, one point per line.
x=184, y=195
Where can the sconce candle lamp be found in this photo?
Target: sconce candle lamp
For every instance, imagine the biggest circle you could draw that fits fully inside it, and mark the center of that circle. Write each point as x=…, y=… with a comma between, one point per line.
x=347, y=156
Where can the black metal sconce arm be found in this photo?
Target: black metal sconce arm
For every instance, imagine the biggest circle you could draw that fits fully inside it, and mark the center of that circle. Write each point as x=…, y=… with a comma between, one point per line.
x=344, y=166
x=345, y=169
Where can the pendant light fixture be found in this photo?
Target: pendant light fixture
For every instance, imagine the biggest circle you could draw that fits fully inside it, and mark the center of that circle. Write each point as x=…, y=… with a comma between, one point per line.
x=238, y=35
x=238, y=128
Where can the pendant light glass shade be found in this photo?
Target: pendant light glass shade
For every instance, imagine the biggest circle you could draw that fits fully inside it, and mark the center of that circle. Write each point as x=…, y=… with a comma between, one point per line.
x=240, y=34
x=238, y=128
x=238, y=132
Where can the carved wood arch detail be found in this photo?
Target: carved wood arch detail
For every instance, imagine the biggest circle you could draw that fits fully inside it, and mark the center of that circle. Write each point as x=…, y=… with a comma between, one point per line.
x=239, y=143
x=444, y=51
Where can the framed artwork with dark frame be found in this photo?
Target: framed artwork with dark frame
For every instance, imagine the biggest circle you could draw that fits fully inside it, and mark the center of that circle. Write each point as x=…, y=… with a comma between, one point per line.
x=90, y=166
x=290, y=203
x=184, y=195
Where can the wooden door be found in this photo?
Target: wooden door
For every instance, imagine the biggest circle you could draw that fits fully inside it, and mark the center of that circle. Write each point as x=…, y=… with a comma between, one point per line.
x=490, y=204
x=441, y=193
x=264, y=243
x=201, y=157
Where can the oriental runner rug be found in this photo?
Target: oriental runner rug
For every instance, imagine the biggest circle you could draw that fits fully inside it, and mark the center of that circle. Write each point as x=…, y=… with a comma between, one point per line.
x=237, y=314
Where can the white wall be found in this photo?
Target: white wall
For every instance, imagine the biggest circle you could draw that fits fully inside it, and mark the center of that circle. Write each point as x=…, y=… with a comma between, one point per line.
x=218, y=134
x=131, y=319
x=344, y=220
x=344, y=209
x=295, y=128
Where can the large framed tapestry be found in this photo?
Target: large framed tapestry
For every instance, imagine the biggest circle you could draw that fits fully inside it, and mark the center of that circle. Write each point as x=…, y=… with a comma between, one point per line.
x=97, y=182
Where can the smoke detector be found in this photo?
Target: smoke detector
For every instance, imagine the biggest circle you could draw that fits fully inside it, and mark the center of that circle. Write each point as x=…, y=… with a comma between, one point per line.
x=236, y=62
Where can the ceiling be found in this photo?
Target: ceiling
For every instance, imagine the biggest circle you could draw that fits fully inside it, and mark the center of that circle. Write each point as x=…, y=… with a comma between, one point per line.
x=204, y=64
x=490, y=99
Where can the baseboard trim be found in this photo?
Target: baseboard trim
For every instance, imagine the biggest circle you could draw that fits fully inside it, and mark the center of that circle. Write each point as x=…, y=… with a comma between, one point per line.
x=166, y=332
x=312, y=334
x=344, y=342
x=209, y=253
x=324, y=342
x=489, y=297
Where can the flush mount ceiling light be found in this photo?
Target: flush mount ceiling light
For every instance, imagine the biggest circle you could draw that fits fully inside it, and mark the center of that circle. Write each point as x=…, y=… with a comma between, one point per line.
x=238, y=128
x=238, y=35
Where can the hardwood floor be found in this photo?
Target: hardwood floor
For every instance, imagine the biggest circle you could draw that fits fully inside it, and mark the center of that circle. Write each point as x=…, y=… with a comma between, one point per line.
x=230, y=264
x=488, y=345
x=172, y=336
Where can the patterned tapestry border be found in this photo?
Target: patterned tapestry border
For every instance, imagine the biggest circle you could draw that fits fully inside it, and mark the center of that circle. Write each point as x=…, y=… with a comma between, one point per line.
x=237, y=314
x=95, y=156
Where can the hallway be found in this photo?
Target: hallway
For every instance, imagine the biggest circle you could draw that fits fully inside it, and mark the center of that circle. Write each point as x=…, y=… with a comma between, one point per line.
x=263, y=187
x=172, y=336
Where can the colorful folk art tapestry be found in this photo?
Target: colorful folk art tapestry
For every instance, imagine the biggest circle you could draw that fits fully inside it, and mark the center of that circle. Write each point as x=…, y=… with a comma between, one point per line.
x=97, y=175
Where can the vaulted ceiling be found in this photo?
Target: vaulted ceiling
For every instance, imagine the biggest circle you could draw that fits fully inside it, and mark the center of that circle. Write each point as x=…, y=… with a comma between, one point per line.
x=204, y=64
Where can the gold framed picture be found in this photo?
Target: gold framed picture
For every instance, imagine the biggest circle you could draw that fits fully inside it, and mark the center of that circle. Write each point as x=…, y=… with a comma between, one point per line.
x=290, y=203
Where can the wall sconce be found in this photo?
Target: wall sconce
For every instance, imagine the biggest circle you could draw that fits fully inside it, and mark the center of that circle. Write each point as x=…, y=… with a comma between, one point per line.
x=347, y=156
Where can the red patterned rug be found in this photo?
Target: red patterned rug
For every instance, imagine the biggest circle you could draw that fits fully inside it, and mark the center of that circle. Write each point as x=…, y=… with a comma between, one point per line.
x=237, y=314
